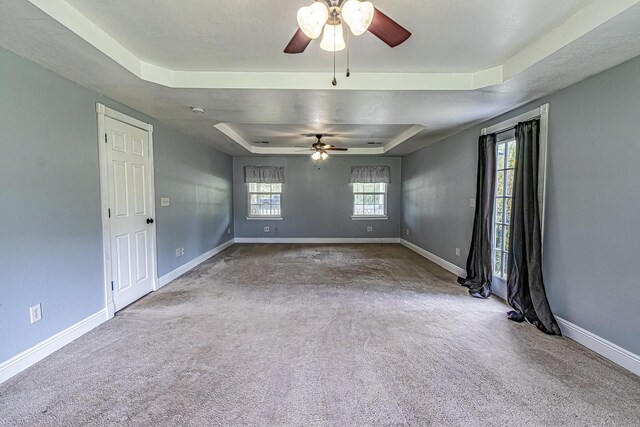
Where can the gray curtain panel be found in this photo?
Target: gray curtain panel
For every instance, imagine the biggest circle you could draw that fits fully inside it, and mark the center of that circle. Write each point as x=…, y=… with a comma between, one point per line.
x=525, y=285
x=370, y=174
x=264, y=174
x=479, y=261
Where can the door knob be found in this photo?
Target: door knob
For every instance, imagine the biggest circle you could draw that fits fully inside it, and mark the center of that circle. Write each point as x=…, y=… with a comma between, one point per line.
x=149, y=220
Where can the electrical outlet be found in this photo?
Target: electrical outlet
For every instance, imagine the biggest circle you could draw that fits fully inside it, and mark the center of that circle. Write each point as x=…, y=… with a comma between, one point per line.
x=181, y=251
x=457, y=251
x=369, y=229
x=407, y=231
x=35, y=313
x=177, y=252
x=164, y=201
x=266, y=229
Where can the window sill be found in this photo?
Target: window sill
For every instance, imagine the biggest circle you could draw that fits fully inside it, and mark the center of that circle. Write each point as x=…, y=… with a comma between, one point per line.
x=369, y=218
x=264, y=218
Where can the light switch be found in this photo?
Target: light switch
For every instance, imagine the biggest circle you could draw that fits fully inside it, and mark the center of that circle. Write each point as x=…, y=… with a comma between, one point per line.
x=472, y=203
x=164, y=201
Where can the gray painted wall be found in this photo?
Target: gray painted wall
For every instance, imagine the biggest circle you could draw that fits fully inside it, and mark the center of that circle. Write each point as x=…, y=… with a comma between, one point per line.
x=50, y=224
x=592, y=224
x=198, y=181
x=317, y=202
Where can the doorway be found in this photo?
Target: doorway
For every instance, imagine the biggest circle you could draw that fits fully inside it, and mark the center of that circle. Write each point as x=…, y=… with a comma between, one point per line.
x=127, y=194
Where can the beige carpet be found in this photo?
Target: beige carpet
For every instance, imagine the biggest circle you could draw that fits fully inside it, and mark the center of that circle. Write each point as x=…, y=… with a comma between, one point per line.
x=320, y=335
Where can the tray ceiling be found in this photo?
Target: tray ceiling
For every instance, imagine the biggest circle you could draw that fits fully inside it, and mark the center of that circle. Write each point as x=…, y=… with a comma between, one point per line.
x=465, y=63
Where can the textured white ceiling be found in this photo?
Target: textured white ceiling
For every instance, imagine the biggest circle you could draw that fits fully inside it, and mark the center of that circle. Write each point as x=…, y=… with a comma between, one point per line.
x=249, y=35
x=282, y=115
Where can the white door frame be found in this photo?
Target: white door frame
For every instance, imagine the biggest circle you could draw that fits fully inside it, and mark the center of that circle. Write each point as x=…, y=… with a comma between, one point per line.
x=103, y=112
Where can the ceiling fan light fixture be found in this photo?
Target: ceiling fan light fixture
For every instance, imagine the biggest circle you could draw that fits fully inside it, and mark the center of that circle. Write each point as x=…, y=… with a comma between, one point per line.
x=316, y=155
x=333, y=38
x=324, y=155
x=358, y=15
x=311, y=19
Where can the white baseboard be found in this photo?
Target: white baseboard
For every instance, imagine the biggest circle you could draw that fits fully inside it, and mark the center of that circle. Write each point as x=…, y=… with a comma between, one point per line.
x=316, y=240
x=169, y=277
x=460, y=272
x=31, y=356
x=607, y=349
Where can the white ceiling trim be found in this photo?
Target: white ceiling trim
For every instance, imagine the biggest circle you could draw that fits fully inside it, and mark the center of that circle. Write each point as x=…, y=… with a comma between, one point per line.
x=592, y=16
x=589, y=18
x=226, y=129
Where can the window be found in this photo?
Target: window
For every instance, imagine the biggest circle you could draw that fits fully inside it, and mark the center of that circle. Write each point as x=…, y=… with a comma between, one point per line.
x=505, y=172
x=264, y=200
x=506, y=146
x=370, y=200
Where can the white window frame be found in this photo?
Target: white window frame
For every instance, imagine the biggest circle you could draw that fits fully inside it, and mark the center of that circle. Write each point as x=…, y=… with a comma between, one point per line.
x=263, y=217
x=384, y=216
x=542, y=113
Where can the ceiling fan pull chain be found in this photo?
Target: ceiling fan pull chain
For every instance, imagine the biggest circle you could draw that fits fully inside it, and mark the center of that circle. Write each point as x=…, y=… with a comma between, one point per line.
x=334, y=81
x=348, y=45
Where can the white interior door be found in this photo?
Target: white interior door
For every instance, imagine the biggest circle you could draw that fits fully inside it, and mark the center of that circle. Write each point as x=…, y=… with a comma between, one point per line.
x=130, y=211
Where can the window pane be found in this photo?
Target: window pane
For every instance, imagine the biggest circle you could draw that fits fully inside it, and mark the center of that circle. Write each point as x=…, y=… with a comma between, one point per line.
x=499, y=210
x=501, y=153
x=505, y=265
x=507, y=231
x=507, y=212
x=357, y=188
x=511, y=154
x=369, y=209
x=500, y=183
x=369, y=188
x=369, y=199
x=255, y=209
x=358, y=199
x=510, y=175
x=358, y=210
x=253, y=187
x=380, y=187
x=498, y=236
x=253, y=199
x=379, y=210
x=276, y=188
x=380, y=199
x=497, y=263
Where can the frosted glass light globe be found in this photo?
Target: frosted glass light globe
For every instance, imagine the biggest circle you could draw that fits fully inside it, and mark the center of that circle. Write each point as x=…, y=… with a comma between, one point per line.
x=311, y=19
x=358, y=15
x=333, y=38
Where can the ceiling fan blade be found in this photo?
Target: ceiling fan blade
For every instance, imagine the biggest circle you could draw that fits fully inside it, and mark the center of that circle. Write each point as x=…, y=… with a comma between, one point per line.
x=298, y=43
x=328, y=135
x=387, y=30
x=335, y=149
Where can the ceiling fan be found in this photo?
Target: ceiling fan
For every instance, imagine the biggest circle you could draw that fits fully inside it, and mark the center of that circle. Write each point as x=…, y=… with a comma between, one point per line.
x=329, y=15
x=320, y=149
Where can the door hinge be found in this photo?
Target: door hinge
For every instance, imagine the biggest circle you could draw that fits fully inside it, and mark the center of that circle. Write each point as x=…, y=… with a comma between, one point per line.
x=112, y=285
x=109, y=212
x=105, y=138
